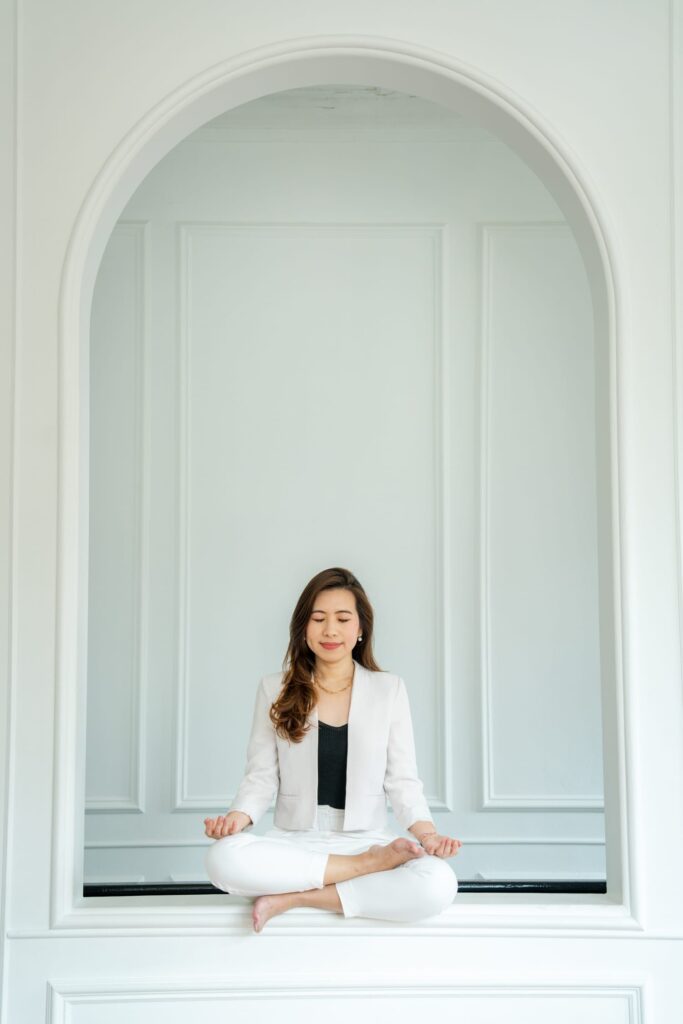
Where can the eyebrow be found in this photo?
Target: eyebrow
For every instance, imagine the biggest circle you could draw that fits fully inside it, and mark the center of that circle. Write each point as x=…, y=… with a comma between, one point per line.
x=340, y=611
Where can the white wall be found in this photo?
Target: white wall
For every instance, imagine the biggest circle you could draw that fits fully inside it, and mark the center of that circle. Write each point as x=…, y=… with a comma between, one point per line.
x=103, y=93
x=315, y=343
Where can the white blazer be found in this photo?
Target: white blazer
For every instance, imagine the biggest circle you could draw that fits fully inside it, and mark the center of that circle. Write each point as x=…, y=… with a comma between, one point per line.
x=381, y=760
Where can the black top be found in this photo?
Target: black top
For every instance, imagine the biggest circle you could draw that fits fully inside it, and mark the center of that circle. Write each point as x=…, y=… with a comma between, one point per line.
x=332, y=750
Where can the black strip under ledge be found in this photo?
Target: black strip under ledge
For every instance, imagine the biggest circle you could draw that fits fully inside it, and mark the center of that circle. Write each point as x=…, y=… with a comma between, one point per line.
x=206, y=889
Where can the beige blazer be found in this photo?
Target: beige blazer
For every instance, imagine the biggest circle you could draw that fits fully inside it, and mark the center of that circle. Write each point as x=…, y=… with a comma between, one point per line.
x=381, y=760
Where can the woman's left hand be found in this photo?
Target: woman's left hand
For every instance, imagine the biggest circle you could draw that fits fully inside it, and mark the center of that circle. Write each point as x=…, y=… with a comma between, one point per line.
x=441, y=846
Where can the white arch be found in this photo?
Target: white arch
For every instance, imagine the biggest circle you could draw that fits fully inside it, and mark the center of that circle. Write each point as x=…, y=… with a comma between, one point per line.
x=392, y=64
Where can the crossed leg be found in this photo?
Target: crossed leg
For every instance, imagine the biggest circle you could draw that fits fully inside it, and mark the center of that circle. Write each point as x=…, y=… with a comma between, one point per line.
x=340, y=867
x=419, y=887
x=242, y=865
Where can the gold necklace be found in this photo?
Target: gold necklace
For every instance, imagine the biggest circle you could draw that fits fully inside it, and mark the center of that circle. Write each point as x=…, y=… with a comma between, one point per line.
x=316, y=683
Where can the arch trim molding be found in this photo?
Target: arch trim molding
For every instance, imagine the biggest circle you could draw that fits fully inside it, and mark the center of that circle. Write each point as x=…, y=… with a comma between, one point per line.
x=441, y=78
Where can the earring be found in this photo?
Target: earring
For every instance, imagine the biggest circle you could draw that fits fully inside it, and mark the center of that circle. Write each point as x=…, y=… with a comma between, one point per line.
x=360, y=637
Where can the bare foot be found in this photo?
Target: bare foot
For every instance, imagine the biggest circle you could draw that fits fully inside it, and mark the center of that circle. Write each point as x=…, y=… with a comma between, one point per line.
x=394, y=853
x=266, y=907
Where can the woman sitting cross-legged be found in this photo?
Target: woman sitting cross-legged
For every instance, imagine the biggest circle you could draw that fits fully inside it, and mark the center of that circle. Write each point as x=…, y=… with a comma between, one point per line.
x=333, y=734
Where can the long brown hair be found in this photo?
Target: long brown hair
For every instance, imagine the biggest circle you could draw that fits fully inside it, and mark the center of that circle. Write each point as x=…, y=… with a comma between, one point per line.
x=289, y=711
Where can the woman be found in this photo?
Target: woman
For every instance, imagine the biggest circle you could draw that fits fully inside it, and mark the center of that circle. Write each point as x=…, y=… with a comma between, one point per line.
x=333, y=734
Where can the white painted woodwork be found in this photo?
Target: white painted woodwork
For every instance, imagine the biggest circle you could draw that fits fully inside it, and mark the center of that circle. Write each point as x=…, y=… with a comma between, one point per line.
x=95, y=97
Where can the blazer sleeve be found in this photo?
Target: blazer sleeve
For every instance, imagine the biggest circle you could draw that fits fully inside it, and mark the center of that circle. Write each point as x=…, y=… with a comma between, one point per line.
x=261, y=773
x=401, y=782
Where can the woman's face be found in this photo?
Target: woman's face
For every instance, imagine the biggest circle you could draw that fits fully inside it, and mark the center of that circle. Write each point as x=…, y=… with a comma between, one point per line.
x=334, y=626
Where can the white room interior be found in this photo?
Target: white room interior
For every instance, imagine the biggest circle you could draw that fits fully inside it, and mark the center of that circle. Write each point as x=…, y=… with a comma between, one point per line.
x=105, y=230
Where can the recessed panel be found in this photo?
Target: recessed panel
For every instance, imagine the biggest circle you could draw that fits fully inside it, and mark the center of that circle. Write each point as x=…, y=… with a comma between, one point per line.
x=540, y=656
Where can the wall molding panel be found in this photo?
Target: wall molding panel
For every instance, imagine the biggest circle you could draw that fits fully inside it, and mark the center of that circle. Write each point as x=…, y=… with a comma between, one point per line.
x=497, y=1003
x=490, y=236
x=136, y=235
x=191, y=234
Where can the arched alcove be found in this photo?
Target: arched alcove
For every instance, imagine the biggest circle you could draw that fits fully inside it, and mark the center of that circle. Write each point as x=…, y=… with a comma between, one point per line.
x=380, y=63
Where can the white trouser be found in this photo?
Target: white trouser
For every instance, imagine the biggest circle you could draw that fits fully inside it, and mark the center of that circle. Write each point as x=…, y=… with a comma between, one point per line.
x=292, y=861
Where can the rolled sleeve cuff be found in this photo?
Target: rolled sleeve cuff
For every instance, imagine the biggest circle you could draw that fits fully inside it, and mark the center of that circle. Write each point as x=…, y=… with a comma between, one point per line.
x=254, y=809
x=416, y=812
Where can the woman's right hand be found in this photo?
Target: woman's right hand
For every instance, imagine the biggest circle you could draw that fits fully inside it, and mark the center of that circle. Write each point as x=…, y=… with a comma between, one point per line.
x=226, y=824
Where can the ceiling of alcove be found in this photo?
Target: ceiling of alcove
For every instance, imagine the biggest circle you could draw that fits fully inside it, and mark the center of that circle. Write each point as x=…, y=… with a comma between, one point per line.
x=345, y=108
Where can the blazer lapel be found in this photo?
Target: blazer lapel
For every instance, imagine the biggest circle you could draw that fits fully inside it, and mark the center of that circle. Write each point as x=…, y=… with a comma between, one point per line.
x=357, y=719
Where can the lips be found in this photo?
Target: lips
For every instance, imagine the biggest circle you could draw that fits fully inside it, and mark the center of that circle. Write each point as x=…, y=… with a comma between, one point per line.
x=330, y=647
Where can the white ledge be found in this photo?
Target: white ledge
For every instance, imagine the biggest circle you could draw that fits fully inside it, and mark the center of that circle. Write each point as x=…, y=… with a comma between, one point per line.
x=548, y=914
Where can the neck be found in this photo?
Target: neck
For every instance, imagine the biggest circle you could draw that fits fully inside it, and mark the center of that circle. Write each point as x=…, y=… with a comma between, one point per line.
x=334, y=675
